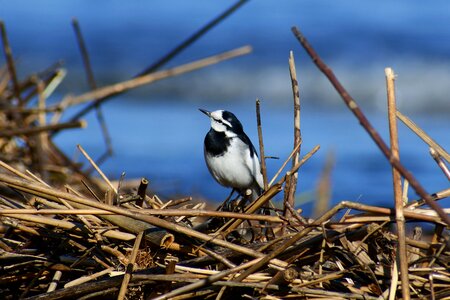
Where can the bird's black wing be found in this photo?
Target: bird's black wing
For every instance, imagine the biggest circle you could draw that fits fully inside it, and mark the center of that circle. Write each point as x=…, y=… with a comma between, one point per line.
x=248, y=142
x=256, y=173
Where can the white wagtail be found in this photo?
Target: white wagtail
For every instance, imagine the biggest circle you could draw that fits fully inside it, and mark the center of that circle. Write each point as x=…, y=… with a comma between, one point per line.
x=230, y=155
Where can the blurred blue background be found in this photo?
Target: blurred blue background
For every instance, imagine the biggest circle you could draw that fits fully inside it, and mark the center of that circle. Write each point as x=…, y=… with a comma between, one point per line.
x=157, y=131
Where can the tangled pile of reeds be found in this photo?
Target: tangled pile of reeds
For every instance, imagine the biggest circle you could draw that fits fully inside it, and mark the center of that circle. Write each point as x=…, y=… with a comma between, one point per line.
x=65, y=236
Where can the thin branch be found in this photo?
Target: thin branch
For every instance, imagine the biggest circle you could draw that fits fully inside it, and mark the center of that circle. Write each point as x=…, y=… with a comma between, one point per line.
x=84, y=55
x=422, y=134
x=91, y=161
x=202, y=31
x=31, y=110
x=353, y=106
x=38, y=129
x=10, y=61
x=437, y=158
x=284, y=165
x=296, y=215
x=261, y=143
x=93, y=85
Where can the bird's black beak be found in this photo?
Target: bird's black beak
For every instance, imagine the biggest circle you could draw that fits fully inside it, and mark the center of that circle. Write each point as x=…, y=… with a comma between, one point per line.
x=208, y=113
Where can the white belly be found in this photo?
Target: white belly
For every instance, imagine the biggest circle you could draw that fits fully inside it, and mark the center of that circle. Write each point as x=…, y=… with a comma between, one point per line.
x=236, y=167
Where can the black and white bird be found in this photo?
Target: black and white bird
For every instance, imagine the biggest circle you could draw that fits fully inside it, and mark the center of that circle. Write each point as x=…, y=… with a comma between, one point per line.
x=230, y=155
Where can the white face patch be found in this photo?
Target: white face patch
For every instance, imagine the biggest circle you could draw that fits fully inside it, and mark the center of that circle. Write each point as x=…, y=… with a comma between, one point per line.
x=217, y=121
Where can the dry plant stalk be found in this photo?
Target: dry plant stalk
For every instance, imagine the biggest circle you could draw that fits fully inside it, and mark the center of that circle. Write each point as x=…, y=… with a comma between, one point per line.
x=93, y=85
x=397, y=183
x=290, y=197
x=10, y=63
x=423, y=135
x=261, y=144
x=324, y=187
x=127, y=277
x=440, y=163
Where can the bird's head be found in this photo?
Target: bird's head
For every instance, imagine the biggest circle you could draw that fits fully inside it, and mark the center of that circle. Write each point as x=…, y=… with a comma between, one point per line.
x=224, y=121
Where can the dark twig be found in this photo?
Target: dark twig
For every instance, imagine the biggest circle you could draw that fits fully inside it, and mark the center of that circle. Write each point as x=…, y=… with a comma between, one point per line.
x=93, y=85
x=166, y=58
x=141, y=191
x=31, y=110
x=10, y=61
x=287, y=188
x=84, y=55
x=353, y=106
x=39, y=129
x=296, y=215
x=261, y=143
x=179, y=201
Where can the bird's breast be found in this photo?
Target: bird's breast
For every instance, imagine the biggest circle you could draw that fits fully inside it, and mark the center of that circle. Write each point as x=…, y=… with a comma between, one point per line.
x=216, y=143
x=230, y=166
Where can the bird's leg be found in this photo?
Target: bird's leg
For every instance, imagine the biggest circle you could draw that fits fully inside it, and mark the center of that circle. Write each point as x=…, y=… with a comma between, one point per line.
x=245, y=233
x=237, y=204
x=231, y=194
x=215, y=222
x=225, y=204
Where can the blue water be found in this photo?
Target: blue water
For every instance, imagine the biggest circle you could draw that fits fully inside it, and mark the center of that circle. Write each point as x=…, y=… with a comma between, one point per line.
x=157, y=130
x=164, y=142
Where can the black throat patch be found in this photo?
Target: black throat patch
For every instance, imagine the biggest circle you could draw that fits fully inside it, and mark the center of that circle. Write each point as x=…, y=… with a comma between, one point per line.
x=216, y=143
